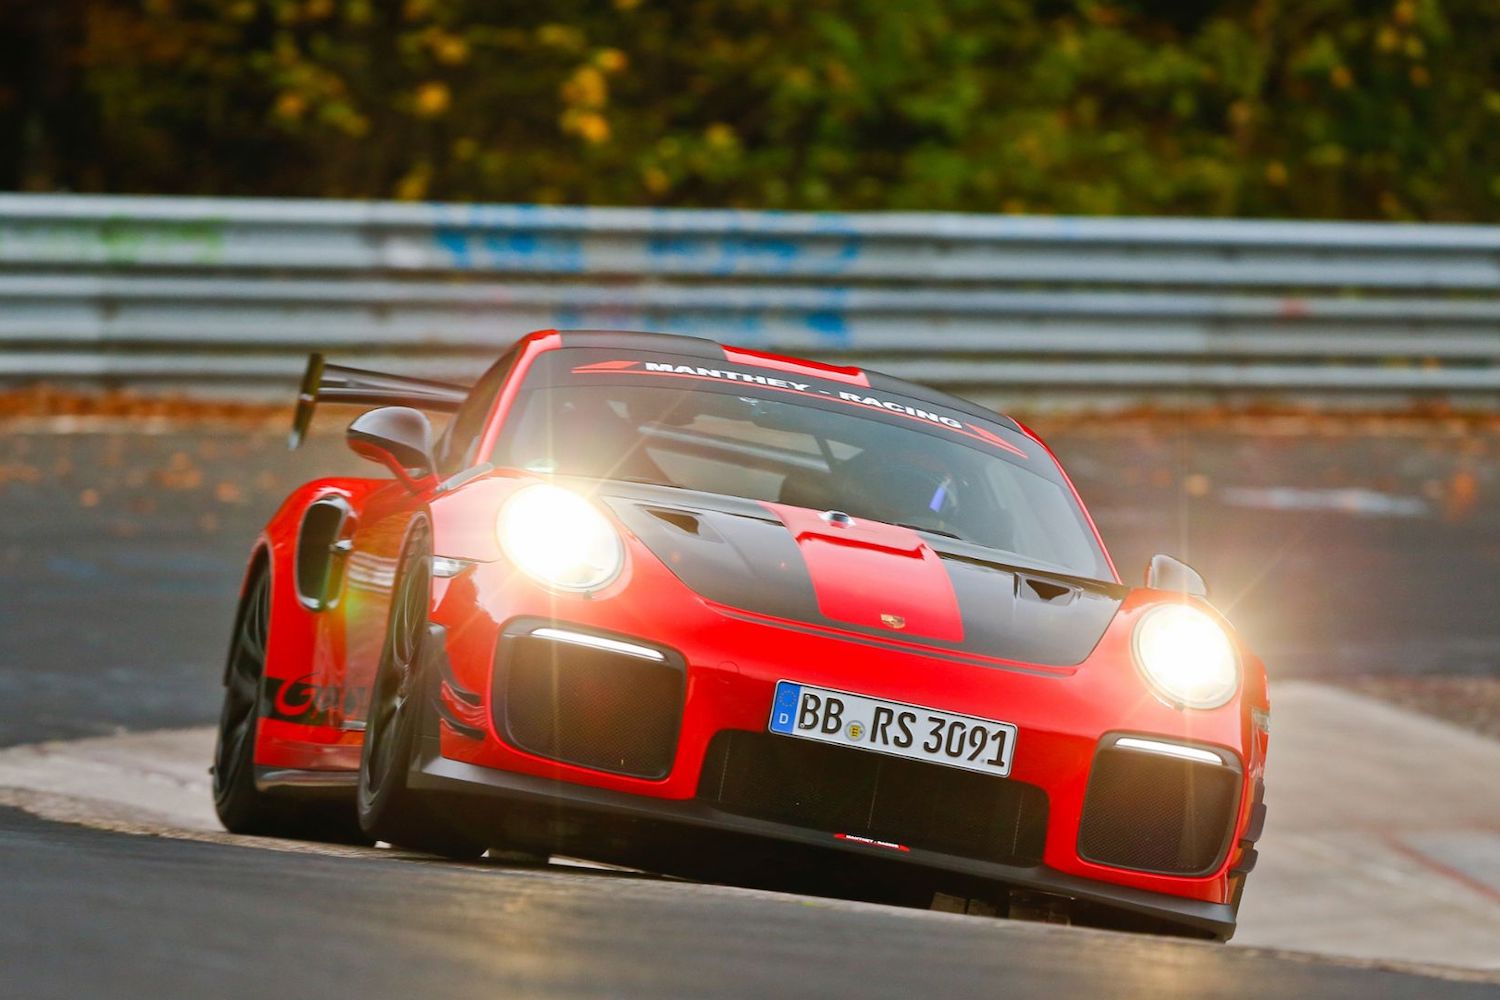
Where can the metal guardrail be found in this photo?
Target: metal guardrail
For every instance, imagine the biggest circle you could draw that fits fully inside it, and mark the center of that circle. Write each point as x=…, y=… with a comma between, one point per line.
x=229, y=294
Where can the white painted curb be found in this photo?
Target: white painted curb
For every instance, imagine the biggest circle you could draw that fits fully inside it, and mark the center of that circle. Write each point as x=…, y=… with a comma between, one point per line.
x=1383, y=840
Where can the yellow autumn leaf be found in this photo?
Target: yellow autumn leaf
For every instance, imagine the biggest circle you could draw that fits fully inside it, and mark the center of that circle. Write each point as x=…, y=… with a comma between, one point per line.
x=656, y=180
x=585, y=88
x=610, y=60
x=413, y=186
x=720, y=136
x=589, y=126
x=432, y=99
x=560, y=36
x=290, y=105
x=450, y=49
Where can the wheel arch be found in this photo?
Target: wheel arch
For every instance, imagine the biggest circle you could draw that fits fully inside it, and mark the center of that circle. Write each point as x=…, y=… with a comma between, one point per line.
x=259, y=562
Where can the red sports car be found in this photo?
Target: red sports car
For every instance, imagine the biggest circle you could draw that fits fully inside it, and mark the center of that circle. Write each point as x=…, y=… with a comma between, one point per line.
x=702, y=610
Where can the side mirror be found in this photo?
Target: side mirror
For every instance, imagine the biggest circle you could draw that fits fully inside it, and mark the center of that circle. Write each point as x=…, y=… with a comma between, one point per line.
x=1166, y=573
x=399, y=438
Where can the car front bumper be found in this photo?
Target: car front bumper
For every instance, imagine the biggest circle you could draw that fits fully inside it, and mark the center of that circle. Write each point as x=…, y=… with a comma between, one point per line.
x=732, y=661
x=566, y=805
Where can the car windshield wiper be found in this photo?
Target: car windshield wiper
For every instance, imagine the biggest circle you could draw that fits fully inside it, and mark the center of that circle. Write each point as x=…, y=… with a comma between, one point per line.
x=644, y=481
x=1022, y=565
x=930, y=531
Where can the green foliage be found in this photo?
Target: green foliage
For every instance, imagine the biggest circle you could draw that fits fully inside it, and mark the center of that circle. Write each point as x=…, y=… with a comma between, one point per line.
x=1315, y=108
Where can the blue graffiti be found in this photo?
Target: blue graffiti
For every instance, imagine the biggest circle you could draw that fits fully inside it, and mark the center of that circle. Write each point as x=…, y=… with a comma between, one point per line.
x=830, y=327
x=456, y=243
x=511, y=237
x=738, y=253
x=538, y=238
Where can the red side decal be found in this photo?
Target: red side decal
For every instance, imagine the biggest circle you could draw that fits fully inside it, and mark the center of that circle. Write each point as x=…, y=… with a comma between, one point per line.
x=995, y=440
x=797, y=366
x=876, y=575
x=605, y=366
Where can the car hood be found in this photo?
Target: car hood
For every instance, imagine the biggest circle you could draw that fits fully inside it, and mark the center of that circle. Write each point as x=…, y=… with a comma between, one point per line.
x=886, y=581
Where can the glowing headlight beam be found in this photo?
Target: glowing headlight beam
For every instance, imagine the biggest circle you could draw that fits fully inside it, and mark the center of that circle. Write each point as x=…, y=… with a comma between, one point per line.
x=1186, y=657
x=559, y=539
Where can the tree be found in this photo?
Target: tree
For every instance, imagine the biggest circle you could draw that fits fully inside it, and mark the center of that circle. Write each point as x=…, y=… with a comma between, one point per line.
x=1320, y=108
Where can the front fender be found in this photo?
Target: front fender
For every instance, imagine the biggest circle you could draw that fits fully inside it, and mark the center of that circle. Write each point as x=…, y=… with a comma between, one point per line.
x=304, y=702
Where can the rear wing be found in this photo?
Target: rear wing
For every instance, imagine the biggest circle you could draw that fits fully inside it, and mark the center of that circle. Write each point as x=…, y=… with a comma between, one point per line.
x=322, y=382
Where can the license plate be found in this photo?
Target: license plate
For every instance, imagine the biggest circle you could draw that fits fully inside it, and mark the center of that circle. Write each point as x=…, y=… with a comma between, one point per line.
x=853, y=720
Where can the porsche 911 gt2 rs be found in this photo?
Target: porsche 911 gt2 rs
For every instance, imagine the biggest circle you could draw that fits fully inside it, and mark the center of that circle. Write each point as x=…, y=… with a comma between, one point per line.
x=712, y=612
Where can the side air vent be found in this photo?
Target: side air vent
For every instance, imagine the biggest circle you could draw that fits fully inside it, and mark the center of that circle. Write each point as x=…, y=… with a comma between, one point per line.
x=319, y=562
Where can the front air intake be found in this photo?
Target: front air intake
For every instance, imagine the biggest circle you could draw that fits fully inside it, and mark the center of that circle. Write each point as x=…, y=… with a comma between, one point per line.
x=1156, y=813
x=597, y=707
x=843, y=790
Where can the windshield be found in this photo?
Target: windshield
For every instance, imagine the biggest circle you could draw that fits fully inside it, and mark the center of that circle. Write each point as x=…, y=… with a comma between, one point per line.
x=773, y=444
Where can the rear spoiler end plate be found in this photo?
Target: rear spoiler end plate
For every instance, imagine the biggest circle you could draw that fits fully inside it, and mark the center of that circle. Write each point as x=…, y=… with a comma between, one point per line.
x=325, y=383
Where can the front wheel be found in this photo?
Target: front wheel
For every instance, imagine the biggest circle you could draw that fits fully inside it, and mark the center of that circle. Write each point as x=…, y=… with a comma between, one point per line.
x=388, y=809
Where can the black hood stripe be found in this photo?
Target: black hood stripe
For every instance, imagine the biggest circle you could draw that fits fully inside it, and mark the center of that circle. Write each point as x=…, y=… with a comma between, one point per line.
x=730, y=551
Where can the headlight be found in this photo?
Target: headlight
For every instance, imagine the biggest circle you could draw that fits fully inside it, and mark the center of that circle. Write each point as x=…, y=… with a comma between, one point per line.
x=1186, y=657
x=559, y=538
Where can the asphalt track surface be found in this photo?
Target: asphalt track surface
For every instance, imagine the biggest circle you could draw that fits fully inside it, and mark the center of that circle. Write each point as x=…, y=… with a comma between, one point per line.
x=148, y=917
x=119, y=558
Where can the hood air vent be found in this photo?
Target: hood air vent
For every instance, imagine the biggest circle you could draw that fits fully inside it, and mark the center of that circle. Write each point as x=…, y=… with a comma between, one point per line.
x=1044, y=590
x=680, y=519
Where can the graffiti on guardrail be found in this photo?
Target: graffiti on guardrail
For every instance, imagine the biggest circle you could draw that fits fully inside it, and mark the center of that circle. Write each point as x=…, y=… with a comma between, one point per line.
x=233, y=292
x=115, y=241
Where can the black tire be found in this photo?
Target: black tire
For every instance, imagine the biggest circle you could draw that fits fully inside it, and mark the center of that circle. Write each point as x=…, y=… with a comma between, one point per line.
x=388, y=809
x=242, y=807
